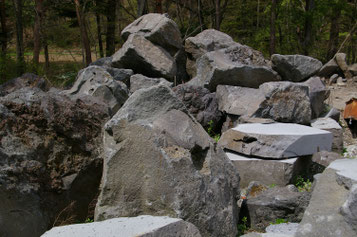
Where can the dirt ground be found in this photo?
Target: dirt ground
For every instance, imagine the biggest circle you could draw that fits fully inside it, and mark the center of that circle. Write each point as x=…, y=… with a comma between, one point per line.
x=339, y=95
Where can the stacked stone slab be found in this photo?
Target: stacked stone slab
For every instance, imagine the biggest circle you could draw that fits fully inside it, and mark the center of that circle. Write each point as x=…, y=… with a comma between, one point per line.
x=140, y=226
x=281, y=149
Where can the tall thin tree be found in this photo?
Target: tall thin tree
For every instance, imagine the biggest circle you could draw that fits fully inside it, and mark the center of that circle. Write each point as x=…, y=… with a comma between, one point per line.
x=18, y=4
x=4, y=32
x=111, y=20
x=272, y=27
x=309, y=7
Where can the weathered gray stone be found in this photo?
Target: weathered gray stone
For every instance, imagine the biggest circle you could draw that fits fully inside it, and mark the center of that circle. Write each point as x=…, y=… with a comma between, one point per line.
x=318, y=93
x=349, y=208
x=268, y=172
x=321, y=160
x=120, y=74
x=323, y=215
x=280, y=101
x=49, y=158
x=276, y=140
x=334, y=114
x=330, y=125
x=157, y=28
x=238, y=65
x=351, y=152
x=26, y=80
x=142, y=56
x=103, y=62
x=160, y=161
x=97, y=82
x=277, y=203
x=340, y=59
x=206, y=41
x=283, y=228
x=201, y=103
x=138, y=81
x=140, y=226
x=333, y=79
x=257, y=234
x=353, y=69
x=255, y=188
x=295, y=68
x=329, y=69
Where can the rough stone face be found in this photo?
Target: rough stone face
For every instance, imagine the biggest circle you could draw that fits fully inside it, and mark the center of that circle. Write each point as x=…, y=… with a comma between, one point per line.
x=334, y=114
x=157, y=28
x=285, y=102
x=318, y=93
x=321, y=160
x=238, y=65
x=353, y=69
x=295, y=68
x=349, y=208
x=268, y=172
x=138, y=81
x=102, y=62
x=206, y=41
x=26, y=80
x=330, y=125
x=277, y=203
x=160, y=161
x=323, y=215
x=49, y=158
x=276, y=140
x=97, y=82
x=256, y=234
x=280, y=101
x=120, y=74
x=283, y=228
x=201, y=103
x=140, y=226
x=328, y=69
x=340, y=59
x=143, y=57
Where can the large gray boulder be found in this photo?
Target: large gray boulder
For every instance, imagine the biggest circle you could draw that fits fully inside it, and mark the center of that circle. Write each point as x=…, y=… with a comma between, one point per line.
x=159, y=161
x=330, y=212
x=157, y=28
x=142, y=56
x=276, y=140
x=138, y=81
x=267, y=171
x=318, y=93
x=50, y=168
x=97, y=82
x=238, y=65
x=206, y=41
x=140, y=226
x=328, y=69
x=201, y=103
x=280, y=101
x=295, y=68
x=277, y=203
x=330, y=125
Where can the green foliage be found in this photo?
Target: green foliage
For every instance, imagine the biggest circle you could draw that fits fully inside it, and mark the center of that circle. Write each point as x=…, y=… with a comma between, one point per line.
x=272, y=185
x=89, y=220
x=279, y=221
x=242, y=226
x=210, y=131
x=302, y=184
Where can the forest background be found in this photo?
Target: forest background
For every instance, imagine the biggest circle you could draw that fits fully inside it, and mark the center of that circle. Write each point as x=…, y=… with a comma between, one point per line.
x=56, y=38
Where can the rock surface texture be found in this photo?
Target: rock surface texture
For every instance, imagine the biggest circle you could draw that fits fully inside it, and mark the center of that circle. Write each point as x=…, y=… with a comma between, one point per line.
x=330, y=212
x=238, y=65
x=276, y=140
x=140, y=226
x=330, y=125
x=139, y=81
x=97, y=82
x=295, y=68
x=26, y=80
x=160, y=161
x=49, y=158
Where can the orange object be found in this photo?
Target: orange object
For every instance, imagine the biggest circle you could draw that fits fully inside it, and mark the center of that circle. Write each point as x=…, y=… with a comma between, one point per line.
x=350, y=111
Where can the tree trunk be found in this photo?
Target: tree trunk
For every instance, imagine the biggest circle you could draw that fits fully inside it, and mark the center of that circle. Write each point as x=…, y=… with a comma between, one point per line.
x=4, y=33
x=142, y=7
x=84, y=34
x=334, y=33
x=99, y=30
x=308, y=26
x=158, y=4
x=218, y=15
x=200, y=16
x=37, y=36
x=19, y=37
x=111, y=19
x=272, y=27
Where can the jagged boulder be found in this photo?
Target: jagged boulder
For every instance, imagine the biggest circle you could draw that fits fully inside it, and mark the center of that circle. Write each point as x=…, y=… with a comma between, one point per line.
x=138, y=81
x=144, y=57
x=50, y=167
x=201, y=103
x=295, y=68
x=97, y=82
x=159, y=161
x=158, y=29
x=238, y=65
x=206, y=41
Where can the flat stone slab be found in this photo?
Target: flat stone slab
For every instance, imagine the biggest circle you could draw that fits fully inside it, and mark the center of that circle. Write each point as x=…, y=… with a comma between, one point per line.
x=283, y=228
x=276, y=140
x=268, y=172
x=128, y=227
